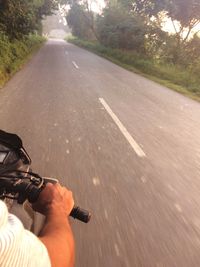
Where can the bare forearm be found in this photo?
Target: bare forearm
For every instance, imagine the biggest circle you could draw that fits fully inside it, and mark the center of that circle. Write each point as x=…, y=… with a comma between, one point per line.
x=58, y=239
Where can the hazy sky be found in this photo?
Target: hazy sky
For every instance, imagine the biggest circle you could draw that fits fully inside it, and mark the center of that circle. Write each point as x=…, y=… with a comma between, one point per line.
x=97, y=5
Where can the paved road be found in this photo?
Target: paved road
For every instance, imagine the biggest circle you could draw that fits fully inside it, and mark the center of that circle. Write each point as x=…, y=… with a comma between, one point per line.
x=128, y=148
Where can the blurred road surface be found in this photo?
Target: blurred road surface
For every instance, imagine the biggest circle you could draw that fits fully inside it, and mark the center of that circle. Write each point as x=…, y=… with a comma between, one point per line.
x=127, y=147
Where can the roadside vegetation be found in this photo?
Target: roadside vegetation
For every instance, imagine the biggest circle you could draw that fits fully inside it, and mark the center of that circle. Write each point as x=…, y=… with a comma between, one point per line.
x=20, y=28
x=131, y=34
x=14, y=54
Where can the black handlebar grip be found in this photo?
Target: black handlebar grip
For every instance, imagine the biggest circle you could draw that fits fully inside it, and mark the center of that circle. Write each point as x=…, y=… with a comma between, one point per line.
x=80, y=214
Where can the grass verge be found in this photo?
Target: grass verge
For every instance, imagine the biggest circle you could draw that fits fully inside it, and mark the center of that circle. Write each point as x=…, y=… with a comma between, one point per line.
x=174, y=77
x=13, y=55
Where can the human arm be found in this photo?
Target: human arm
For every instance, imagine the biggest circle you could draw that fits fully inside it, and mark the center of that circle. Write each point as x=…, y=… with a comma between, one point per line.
x=56, y=203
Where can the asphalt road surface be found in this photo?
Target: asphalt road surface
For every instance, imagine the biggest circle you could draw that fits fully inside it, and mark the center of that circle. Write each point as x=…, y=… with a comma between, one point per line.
x=127, y=147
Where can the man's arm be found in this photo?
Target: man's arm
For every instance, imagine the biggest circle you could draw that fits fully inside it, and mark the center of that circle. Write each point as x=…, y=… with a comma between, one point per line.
x=56, y=203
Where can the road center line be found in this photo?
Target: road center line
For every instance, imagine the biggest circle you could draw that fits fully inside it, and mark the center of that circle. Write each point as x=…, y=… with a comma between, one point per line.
x=75, y=65
x=124, y=131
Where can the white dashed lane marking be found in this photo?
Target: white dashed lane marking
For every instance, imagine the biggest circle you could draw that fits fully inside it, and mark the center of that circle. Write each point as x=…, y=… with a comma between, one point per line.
x=138, y=150
x=75, y=65
x=178, y=207
x=96, y=181
x=117, y=250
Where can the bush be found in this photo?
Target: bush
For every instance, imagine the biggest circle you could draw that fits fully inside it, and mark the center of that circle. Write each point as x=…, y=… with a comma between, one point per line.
x=14, y=54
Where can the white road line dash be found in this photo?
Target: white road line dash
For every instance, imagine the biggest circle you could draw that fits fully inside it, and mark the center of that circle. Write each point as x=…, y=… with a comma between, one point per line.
x=75, y=65
x=96, y=181
x=106, y=214
x=178, y=207
x=66, y=53
x=123, y=130
x=117, y=249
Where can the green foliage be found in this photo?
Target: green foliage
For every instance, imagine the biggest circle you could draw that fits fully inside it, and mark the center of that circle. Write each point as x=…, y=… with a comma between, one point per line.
x=117, y=28
x=80, y=21
x=5, y=51
x=21, y=17
x=45, y=7
x=18, y=19
x=13, y=54
x=184, y=15
x=184, y=11
x=136, y=26
x=155, y=41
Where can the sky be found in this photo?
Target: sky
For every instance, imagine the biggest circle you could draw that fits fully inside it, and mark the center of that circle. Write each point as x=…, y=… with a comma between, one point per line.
x=97, y=5
x=168, y=27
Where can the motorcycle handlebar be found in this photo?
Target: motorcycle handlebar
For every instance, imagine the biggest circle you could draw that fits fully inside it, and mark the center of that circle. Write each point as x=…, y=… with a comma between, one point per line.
x=27, y=190
x=80, y=214
x=77, y=212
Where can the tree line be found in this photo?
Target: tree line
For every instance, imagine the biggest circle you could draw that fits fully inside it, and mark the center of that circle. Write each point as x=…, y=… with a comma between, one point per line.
x=137, y=25
x=18, y=18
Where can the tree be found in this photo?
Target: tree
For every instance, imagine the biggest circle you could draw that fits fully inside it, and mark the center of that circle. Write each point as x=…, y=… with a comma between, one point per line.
x=184, y=16
x=44, y=7
x=117, y=28
x=81, y=19
x=185, y=12
x=21, y=17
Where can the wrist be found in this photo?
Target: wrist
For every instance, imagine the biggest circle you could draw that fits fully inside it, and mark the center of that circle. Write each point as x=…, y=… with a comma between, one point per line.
x=56, y=211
